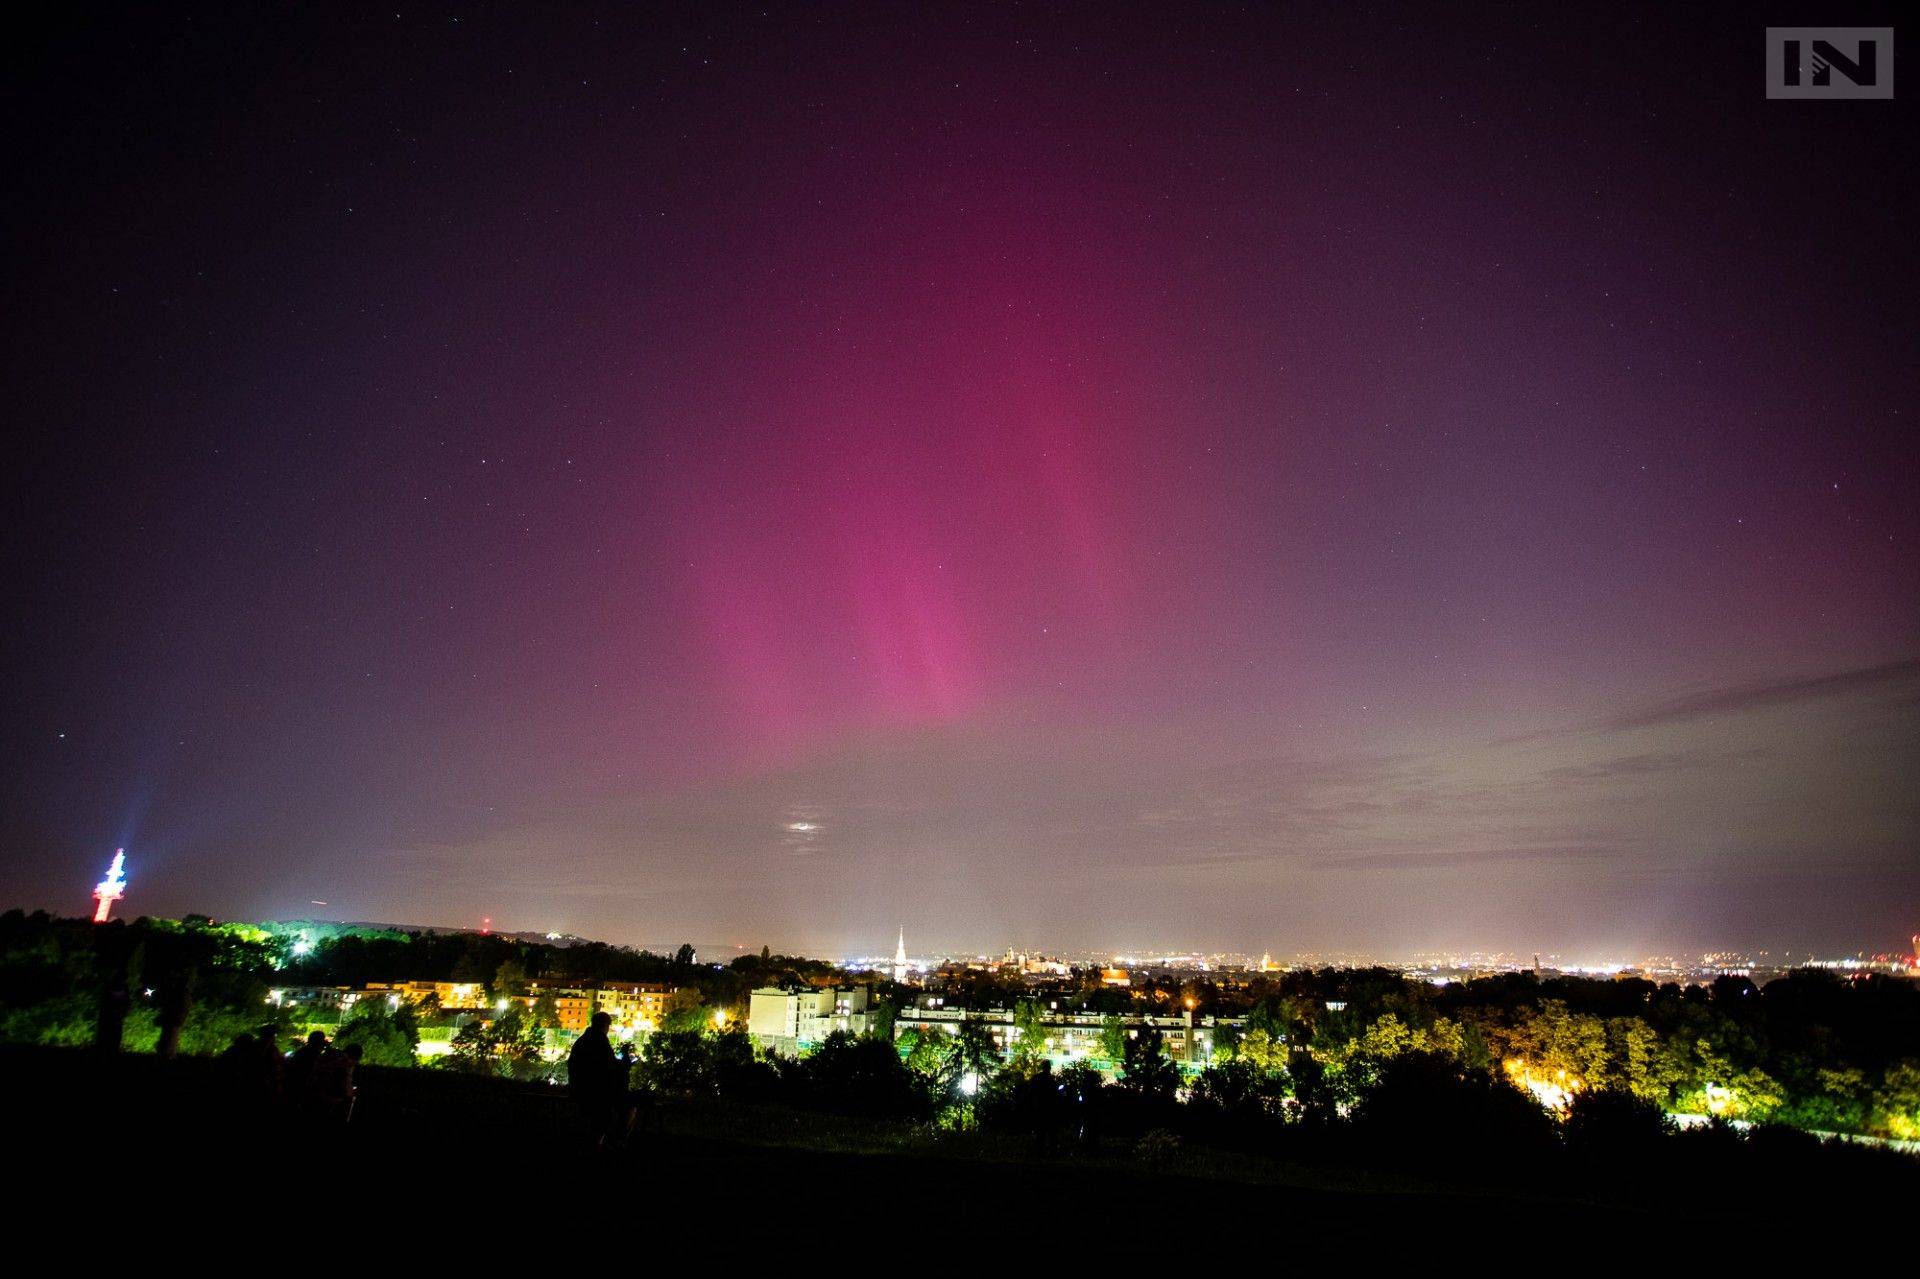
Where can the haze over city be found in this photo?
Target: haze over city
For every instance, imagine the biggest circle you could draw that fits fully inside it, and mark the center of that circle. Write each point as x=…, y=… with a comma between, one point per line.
x=1388, y=482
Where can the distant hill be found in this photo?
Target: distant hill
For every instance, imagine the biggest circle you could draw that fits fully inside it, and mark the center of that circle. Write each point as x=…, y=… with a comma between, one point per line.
x=367, y=927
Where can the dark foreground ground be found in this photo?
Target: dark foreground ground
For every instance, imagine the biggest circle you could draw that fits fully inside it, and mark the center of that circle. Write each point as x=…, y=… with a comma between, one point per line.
x=137, y=1143
x=174, y=1134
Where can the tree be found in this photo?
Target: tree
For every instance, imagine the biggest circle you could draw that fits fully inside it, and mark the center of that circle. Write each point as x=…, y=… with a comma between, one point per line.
x=472, y=1049
x=934, y=1055
x=1146, y=1070
x=676, y=1062
x=546, y=1011
x=1241, y=1089
x=518, y=1042
x=685, y=1010
x=860, y=1076
x=1634, y=1062
x=1896, y=1102
x=1113, y=1037
x=1386, y=1038
x=1425, y=1110
x=387, y=1035
x=703, y=1063
x=510, y=978
x=1082, y=1083
x=1615, y=1127
x=684, y=956
x=978, y=1056
x=1029, y=1031
x=880, y=1021
x=1262, y=1052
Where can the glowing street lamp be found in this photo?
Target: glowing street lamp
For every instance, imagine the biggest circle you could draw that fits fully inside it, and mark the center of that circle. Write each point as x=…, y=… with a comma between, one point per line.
x=112, y=888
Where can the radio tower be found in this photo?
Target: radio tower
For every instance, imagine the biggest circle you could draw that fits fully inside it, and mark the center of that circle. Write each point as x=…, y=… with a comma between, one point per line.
x=112, y=888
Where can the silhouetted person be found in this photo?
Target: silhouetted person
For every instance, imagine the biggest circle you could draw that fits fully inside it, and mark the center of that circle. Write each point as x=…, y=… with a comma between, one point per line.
x=116, y=1000
x=250, y=1067
x=333, y=1086
x=270, y=1066
x=595, y=1079
x=302, y=1067
x=176, y=995
x=241, y=1055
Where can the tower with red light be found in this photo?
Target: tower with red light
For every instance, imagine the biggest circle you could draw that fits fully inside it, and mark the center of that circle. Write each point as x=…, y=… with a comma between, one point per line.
x=112, y=888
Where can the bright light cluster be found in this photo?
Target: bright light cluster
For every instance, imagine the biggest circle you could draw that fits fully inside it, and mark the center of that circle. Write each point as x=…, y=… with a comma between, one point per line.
x=1554, y=1089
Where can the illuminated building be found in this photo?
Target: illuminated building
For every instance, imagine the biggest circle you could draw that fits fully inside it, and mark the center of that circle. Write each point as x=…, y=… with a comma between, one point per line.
x=791, y=1021
x=453, y=996
x=112, y=888
x=450, y=995
x=1035, y=965
x=309, y=998
x=900, y=958
x=634, y=1009
x=1115, y=977
x=573, y=1006
x=1074, y=1037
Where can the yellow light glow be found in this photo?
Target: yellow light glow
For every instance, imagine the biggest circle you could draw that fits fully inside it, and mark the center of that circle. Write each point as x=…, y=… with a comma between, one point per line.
x=1553, y=1090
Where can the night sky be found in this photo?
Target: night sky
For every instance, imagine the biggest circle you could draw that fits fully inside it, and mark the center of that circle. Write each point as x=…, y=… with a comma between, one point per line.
x=1371, y=479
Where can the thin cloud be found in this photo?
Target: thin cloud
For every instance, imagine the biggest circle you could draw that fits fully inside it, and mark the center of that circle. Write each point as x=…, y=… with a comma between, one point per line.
x=1474, y=857
x=1648, y=764
x=1750, y=696
x=1761, y=694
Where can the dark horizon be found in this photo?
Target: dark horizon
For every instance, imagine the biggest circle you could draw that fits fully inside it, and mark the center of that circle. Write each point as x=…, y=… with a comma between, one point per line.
x=1380, y=481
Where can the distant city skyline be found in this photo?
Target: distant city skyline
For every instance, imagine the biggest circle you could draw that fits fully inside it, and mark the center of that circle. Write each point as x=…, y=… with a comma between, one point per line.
x=901, y=953
x=1373, y=480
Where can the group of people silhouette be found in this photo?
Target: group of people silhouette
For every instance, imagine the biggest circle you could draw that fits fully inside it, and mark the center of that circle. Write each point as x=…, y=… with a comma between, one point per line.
x=314, y=1081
